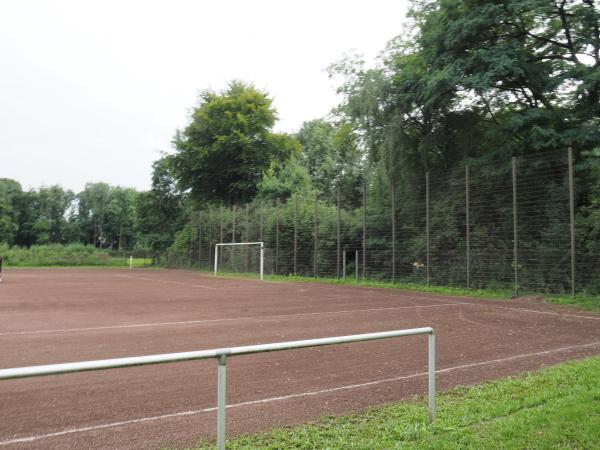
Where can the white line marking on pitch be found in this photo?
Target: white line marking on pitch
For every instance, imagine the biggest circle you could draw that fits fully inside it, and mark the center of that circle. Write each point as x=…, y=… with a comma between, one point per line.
x=190, y=322
x=483, y=304
x=577, y=316
x=407, y=296
x=287, y=397
x=165, y=281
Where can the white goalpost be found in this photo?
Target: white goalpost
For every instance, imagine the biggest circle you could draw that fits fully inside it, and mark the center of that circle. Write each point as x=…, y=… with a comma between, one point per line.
x=232, y=244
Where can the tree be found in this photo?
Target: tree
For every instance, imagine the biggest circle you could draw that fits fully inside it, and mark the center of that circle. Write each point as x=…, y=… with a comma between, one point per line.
x=51, y=205
x=121, y=216
x=159, y=212
x=318, y=153
x=532, y=67
x=227, y=147
x=281, y=183
x=27, y=216
x=92, y=207
x=10, y=190
x=332, y=157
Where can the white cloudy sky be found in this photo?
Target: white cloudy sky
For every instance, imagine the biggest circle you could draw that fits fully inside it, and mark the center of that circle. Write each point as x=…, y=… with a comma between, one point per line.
x=94, y=90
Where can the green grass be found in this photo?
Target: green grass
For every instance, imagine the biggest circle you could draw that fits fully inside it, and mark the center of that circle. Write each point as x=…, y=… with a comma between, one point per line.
x=55, y=255
x=588, y=302
x=138, y=263
x=557, y=407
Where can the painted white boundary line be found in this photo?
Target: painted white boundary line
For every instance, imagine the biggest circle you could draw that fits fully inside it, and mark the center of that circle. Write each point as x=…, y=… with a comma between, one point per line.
x=508, y=308
x=165, y=281
x=443, y=297
x=190, y=322
x=287, y=397
x=481, y=302
x=408, y=295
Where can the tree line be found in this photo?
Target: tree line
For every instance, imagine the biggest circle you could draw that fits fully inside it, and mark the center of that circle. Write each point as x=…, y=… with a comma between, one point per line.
x=469, y=82
x=100, y=215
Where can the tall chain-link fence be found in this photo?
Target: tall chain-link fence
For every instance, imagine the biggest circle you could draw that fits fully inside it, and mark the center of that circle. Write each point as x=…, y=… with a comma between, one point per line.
x=505, y=224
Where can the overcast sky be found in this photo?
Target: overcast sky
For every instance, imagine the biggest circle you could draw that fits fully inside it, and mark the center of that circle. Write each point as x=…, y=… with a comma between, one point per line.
x=94, y=91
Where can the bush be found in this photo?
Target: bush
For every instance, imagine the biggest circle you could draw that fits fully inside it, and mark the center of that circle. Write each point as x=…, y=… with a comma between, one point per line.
x=57, y=255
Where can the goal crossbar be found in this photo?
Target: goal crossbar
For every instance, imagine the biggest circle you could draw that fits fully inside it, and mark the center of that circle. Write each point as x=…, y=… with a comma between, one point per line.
x=228, y=244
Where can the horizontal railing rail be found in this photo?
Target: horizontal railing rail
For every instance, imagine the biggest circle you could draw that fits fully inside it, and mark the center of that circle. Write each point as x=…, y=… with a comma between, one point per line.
x=222, y=354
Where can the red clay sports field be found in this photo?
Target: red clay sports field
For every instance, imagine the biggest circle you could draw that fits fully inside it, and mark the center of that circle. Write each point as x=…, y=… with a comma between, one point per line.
x=59, y=315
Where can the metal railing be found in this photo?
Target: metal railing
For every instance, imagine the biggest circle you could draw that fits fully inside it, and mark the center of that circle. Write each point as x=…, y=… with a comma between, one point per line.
x=222, y=354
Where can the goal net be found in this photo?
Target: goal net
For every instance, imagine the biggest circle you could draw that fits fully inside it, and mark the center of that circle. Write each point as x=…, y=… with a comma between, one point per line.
x=240, y=257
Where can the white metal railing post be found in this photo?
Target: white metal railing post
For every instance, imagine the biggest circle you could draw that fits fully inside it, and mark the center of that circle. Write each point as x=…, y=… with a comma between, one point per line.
x=262, y=260
x=131, y=262
x=221, y=400
x=431, y=390
x=216, y=257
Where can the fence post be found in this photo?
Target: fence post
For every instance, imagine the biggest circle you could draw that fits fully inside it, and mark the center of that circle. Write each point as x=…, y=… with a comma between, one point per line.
x=233, y=221
x=221, y=227
x=246, y=238
x=428, y=223
x=393, y=214
x=190, y=245
x=572, y=220
x=431, y=339
x=221, y=400
x=468, y=226
x=339, y=239
x=260, y=220
x=344, y=264
x=209, y=234
x=515, y=231
x=364, y=232
x=356, y=265
x=295, y=234
x=277, y=237
x=199, y=236
x=316, y=236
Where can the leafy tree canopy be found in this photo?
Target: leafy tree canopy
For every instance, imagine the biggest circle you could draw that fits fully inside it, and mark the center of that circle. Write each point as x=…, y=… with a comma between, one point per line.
x=227, y=147
x=159, y=211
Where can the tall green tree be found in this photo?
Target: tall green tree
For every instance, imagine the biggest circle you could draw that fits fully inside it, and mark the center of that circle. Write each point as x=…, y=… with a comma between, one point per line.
x=228, y=145
x=51, y=206
x=92, y=211
x=159, y=212
x=531, y=67
x=282, y=182
x=121, y=216
x=27, y=215
x=333, y=158
x=10, y=190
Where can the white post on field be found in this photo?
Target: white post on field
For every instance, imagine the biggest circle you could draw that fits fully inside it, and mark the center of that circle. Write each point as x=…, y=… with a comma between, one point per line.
x=131, y=261
x=262, y=260
x=216, y=258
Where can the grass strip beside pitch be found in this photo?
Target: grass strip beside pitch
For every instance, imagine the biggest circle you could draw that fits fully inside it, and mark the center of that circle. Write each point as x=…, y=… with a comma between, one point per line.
x=556, y=407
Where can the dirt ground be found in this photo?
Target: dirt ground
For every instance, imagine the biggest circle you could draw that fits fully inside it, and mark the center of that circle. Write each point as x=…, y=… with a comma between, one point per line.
x=59, y=315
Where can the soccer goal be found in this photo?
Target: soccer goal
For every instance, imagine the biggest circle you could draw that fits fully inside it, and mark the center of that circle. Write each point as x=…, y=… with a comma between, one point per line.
x=240, y=257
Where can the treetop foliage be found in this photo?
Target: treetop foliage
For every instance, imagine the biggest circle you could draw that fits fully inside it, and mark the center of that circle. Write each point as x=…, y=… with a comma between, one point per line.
x=228, y=145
